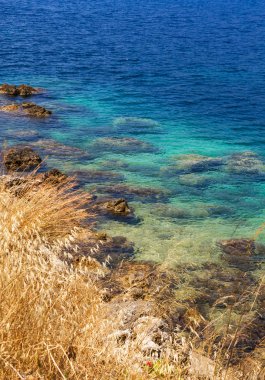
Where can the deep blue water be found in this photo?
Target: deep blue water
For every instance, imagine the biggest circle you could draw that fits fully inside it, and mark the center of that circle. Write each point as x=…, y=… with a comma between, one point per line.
x=195, y=68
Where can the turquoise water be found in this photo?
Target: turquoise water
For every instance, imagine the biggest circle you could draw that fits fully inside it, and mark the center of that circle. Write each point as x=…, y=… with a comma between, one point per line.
x=184, y=79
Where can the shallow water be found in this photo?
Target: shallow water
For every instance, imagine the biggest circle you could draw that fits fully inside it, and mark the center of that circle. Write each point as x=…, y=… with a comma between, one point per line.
x=184, y=78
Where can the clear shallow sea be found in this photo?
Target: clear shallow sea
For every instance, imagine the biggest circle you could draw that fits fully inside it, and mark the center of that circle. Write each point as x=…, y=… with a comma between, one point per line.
x=189, y=75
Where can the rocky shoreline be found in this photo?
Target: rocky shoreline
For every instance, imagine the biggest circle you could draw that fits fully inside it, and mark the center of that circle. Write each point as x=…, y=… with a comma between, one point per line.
x=146, y=296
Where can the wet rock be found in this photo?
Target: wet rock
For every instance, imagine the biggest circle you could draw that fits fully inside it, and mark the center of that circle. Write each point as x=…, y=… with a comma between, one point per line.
x=245, y=163
x=34, y=110
x=21, y=90
x=54, y=176
x=144, y=194
x=21, y=159
x=116, y=207
x=192, y=163
x=29, y=109
x=124, y=145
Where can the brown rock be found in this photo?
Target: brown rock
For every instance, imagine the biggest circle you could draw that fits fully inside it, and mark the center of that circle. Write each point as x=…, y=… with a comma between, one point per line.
x=116, y=207
x=22, y=90
x=19, y=159
x=30, y=109
x=33, y=109
x=237, y=247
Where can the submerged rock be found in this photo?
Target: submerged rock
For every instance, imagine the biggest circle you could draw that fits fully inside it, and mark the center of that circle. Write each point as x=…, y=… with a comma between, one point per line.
x=92, y=176
x=21, y=159
x=137, y=125
x=245, y=163
x=192, y=163
x=239, y=252
x=29, y=109
x=21, y=90
x=123, y=145
x=116, y=207
x=238, y=247
x=194, y=180
x=111, y=250
x=147, y=194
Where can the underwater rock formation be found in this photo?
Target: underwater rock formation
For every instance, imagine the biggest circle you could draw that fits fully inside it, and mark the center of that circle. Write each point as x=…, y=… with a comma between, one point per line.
x=21, y=90
x=123, y=145
x=245, y=163
x=29, y=109
x=136, y=125
x=54, y=148
x=191, y=163
x=21, y=159
x=147, y=194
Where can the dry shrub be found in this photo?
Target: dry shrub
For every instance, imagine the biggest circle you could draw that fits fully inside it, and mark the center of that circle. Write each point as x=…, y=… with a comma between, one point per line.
x=51, y=325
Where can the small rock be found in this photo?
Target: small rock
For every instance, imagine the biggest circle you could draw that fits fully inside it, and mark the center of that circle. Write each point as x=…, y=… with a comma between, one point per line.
x=117, y=207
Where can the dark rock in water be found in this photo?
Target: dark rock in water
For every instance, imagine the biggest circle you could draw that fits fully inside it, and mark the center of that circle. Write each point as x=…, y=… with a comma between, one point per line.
x=21, y=90
x=147, y=194
x=245, y=163
x=116, y=207
x=34, y=110
x=29, y=109
x=239, y=252
x=124, y=145
x=54, y=176
x=111, y=250
x=21, y=159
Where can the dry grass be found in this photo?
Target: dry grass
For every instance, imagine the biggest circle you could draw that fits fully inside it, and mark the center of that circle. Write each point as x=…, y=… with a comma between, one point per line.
x=49, y=312
x=53, y=322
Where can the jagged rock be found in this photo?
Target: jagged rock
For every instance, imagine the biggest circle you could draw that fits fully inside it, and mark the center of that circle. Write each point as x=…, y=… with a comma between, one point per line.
x=21, y=159
x=21, y=90
x=29, y=109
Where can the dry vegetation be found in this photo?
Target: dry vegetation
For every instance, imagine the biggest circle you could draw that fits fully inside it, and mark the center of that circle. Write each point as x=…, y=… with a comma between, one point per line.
x=54, y=323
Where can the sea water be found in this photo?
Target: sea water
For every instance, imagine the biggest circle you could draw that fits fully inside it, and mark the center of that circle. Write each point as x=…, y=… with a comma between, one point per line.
x=184, y=78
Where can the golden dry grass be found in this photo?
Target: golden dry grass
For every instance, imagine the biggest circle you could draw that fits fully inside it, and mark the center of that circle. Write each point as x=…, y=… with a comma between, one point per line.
x=49, y=312
x=53, y=322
